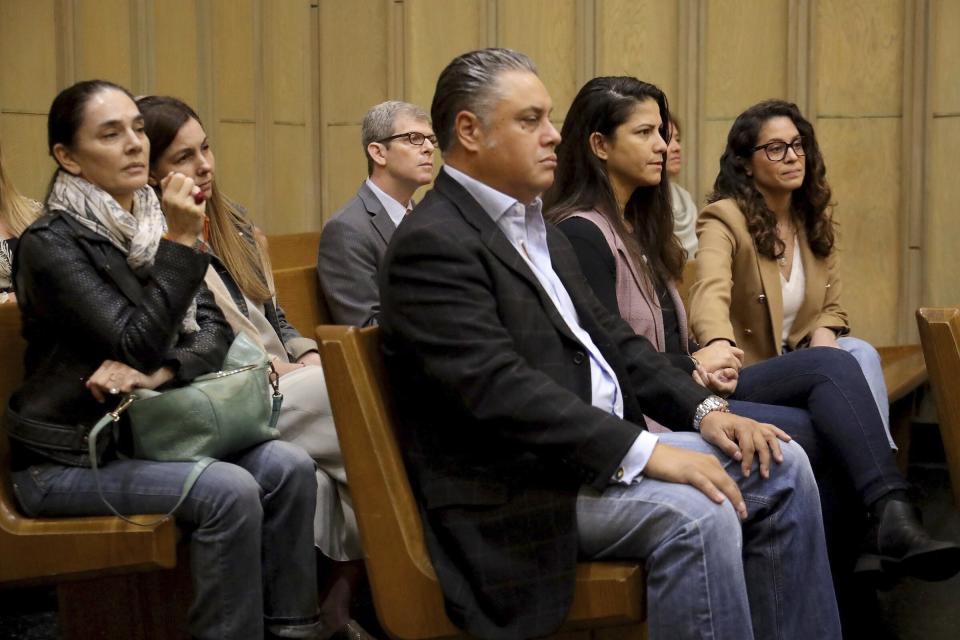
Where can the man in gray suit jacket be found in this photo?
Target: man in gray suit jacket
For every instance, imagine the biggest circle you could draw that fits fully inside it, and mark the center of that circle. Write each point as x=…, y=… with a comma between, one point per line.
x=399, y=143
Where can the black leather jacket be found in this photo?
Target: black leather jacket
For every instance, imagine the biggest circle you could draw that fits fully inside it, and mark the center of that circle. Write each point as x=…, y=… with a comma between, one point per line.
x=82, y=304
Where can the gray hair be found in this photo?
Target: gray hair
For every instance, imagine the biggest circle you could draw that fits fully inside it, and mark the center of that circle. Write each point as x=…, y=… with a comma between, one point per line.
x=469, y=83
x=378, y=123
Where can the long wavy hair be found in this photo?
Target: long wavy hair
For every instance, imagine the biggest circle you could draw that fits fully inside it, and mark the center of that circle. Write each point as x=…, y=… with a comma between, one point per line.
x=16, y=211
x=232, y=235
x=582, y=182
x=810, y=203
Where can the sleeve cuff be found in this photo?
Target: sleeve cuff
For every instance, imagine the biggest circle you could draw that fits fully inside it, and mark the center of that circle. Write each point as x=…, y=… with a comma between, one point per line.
x=636, y=459
x=296, y=347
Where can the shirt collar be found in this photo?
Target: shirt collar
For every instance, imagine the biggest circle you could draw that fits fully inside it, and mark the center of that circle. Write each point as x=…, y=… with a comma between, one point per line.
x=395, y=209
x=494, y=202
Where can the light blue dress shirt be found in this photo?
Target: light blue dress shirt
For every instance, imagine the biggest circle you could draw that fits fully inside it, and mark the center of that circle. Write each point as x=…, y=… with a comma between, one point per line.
x=395, y=209
x=527, y=232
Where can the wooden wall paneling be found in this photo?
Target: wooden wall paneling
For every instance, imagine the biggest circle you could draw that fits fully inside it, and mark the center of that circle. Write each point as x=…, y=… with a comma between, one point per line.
x=859, y=107
x=290, y=207
x=354, y=76
x=746, y=54
x=176, y=50
x=28, y=81
x=863, y=158
x=546, y=31
x=464, y=25
x=691, y=78
x=860, y=49
x=799, y=62
x=233, y=68
x=28, y=84
x=739, y=36
x=942, y=225
x=23, y=137
x=914, y=145
x=945, y=89
x=588, y=40
x=104, y=45
x=641, y=38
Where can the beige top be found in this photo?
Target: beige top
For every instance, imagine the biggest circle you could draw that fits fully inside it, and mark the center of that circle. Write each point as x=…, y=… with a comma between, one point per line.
x=792, y=291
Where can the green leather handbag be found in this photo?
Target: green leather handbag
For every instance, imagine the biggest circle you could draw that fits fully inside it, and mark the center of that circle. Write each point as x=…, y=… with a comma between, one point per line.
x=216, y=415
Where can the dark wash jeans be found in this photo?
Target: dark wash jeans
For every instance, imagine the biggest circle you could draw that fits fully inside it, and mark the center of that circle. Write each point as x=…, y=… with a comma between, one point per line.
x=251, y=521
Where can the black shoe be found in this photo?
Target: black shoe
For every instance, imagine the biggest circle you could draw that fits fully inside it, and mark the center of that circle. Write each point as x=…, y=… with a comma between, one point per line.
x=898, y=545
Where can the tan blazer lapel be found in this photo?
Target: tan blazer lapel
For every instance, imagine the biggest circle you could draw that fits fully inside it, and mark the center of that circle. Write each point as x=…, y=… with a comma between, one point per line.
x=770, y=278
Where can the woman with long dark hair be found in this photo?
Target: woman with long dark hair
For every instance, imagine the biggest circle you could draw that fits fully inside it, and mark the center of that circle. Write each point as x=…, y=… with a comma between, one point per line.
x=242, y=284
x=767, y=276
x=113, y=299
x=611, y=199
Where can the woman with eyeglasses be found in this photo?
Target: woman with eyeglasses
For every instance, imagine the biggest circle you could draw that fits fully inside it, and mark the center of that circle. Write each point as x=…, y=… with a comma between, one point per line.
x=767, y=274
x=611, y=198
x=241, y=282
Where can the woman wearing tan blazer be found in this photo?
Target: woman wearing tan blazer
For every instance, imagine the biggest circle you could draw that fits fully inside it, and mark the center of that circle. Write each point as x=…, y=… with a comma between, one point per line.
x=767, y=274
x=611, y=199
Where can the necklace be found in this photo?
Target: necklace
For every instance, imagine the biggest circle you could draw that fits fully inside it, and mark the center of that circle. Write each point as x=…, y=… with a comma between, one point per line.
x=782, y=231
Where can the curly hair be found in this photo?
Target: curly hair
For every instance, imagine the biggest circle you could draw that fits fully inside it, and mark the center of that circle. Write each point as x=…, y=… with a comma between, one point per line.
x=810, y=203
x=601, y=106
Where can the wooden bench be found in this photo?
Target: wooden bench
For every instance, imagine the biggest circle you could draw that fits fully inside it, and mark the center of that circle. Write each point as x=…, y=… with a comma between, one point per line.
x=298, y=292
x=108, y=572
x=293, y=249
x=940, y=336
x=406, y=593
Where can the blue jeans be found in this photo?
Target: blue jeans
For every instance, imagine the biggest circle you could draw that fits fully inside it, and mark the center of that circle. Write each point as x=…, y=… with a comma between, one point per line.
x=708, y=575
x=872, y=368
x=251, y=521
x=829, y=385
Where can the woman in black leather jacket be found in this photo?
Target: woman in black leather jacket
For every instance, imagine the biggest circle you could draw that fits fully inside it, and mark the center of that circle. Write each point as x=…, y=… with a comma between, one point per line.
x=111, y=303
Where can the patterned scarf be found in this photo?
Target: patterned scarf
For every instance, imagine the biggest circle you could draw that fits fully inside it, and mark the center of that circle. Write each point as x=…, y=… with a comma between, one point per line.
x=136, y=235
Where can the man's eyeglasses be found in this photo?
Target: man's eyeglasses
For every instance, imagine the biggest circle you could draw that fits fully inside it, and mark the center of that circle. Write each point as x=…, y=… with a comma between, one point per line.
x=413, y=137
x=777, y=150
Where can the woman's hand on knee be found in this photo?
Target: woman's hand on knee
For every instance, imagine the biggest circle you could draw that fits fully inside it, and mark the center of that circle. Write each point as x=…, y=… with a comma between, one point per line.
x=699, y=470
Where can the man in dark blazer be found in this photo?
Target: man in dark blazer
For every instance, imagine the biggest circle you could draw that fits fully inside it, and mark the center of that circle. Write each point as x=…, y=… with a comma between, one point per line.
x=521, y=402
x=399, y=144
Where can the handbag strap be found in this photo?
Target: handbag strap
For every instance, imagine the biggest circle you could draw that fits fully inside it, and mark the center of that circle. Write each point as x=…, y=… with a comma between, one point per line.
x=191, y=479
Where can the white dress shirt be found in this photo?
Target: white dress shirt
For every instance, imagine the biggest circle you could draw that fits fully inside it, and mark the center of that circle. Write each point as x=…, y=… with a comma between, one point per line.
x=524, y=227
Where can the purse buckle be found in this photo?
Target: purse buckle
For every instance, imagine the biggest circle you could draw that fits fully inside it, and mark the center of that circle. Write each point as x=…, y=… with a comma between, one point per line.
x=126, y=402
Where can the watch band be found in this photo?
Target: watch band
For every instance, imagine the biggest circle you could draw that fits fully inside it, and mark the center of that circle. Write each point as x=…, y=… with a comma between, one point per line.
x=710, y=403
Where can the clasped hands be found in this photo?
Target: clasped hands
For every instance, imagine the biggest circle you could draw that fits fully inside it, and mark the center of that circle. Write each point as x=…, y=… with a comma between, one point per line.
x=719, y=367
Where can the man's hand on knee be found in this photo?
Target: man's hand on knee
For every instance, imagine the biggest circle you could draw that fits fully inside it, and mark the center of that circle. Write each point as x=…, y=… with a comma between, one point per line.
x=700, y=470
x=741, y=438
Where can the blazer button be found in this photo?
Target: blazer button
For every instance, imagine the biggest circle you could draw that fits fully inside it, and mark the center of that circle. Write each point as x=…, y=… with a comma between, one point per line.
x=761, y=298
x=578, y=357
x=748, y=332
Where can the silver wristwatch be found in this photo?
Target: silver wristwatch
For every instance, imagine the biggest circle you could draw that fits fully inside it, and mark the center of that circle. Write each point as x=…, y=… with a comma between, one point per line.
x=710, y=403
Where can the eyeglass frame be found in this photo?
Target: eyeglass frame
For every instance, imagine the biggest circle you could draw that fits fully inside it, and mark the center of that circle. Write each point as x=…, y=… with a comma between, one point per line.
x=409, y=136
x=787, y=145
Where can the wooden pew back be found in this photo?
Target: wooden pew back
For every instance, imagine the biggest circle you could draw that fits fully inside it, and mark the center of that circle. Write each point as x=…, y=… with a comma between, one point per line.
x=408, y=599
x=293, y=249
x=940, y=336
x=298, y=292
